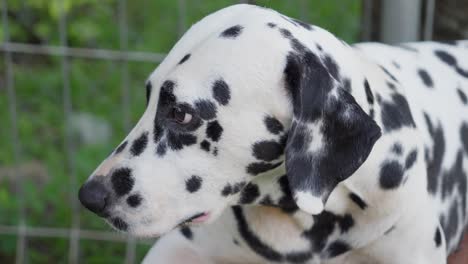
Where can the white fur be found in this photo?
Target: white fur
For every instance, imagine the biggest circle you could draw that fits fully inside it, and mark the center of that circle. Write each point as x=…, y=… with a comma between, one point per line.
x=255, y=75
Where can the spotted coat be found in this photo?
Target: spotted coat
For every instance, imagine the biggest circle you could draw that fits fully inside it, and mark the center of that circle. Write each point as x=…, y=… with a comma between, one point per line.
x=269, y=140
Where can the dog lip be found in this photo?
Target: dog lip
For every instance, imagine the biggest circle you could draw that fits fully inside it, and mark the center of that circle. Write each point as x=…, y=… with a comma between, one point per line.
x=197, y=218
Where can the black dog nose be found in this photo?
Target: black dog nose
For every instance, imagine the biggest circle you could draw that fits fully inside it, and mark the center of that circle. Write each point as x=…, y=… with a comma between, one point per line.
x=94, y=196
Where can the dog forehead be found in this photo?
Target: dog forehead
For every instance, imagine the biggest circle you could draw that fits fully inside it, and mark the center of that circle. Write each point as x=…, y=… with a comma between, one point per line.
x=244, y=51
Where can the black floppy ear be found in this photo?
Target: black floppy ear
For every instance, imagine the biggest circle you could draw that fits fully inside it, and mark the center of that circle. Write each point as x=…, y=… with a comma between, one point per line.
x=330, y=135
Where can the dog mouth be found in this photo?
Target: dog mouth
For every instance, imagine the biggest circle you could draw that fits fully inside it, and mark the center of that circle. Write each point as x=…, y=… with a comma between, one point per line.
x=195, y=219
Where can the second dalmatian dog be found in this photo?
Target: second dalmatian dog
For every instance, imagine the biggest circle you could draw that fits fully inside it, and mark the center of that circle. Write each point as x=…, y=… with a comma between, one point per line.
x=269, y=140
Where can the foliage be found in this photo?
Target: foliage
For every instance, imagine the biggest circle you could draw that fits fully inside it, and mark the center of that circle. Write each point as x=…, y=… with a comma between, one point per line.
x=96, y=87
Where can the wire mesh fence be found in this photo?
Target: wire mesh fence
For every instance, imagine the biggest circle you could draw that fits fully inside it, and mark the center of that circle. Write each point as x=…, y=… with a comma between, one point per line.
x=74, y=232
x=35, y=217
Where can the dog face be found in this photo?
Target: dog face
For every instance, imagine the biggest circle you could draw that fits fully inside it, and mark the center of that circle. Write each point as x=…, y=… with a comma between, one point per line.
x=219, y=111
x=212, y=124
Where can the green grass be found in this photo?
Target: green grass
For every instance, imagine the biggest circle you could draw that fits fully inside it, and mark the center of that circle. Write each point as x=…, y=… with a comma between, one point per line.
x=95, y=88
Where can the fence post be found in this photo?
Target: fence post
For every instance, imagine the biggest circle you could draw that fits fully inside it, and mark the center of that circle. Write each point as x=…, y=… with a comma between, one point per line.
x=400, y=20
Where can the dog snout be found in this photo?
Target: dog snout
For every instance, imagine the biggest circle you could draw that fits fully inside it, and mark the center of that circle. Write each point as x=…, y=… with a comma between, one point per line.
x=95, y=197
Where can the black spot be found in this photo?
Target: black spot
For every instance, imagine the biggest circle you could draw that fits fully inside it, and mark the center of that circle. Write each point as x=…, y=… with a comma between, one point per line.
x=205, y=145
x=391, y=86
x=454, y=180
x=166, y=95
x=283, y=139
x=267, y=150
x=396, y=64
x=161, y=149
x=267, y=201
x=232, y=189
x=437, y=237
x=298, y=257
x=450, y=226
x=451, y=61
x=357, y=200
x=337, y=248
x=193, y=184
x=184, y=59
x=464, y=136
x=426, y=78
x=346, y=222
x=389, y=230
x=178, y=141
x=249, y=194
x=462, y=96
x=324, y=225
x=397, y=148
x=292, y=73
x=286, y=202
x=319, y=47
x=235, y=242
x=347, y=85
x=119, y=224
x=215, y=151
x=273, y=125
x=251, y=239
x=148, y=87
x=134, y=200
x=289, y=20
x=260, y=167
x=462, y=72
x=206, y=109
x=227, y=190
x=388, y=73
x=187, y=232
x=397, y=114
x=391, y=175
x=237, y=187
x=369, y=95
x=286, y=33
x=157, y=132
x=232, y=32
x=411, y=159
x=214, y=130
x=379, y=98
x=302, y=24
x=261, y=248
x=121, y=147
x=139, y=144
x=122, y=181
x=446, y=58
x=271, y=25
x=435, y=157
x=332, y=67
x=221, y=92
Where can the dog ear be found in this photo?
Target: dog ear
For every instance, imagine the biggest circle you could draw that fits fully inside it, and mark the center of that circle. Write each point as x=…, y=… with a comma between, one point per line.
x=330, y=135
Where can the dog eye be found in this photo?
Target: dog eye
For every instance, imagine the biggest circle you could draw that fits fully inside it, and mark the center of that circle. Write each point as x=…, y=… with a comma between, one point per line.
x=180, y=116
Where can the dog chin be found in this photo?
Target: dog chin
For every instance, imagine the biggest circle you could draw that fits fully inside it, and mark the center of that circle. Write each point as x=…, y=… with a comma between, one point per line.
x=152, y=229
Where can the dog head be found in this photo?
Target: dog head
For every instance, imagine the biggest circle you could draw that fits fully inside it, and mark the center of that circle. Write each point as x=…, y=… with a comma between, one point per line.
x=238, y=96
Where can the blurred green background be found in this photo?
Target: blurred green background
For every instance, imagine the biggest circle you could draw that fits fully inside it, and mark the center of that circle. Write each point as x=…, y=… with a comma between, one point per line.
x=96, y=96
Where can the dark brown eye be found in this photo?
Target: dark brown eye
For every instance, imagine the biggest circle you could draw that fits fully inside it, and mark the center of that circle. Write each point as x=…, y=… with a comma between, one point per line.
x=180, y=116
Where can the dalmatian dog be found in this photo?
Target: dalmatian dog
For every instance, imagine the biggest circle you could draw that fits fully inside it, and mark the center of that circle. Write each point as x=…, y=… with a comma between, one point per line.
x=269, y=140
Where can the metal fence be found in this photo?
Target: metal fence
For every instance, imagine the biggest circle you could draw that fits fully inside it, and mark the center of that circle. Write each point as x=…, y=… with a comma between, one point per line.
x=74, y=233
x=22, y=231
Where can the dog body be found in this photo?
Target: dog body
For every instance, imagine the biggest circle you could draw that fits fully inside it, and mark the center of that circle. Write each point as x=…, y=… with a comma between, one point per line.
x=295, y=147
